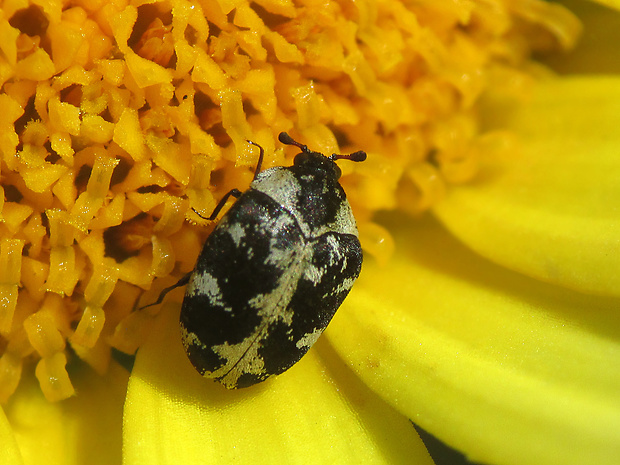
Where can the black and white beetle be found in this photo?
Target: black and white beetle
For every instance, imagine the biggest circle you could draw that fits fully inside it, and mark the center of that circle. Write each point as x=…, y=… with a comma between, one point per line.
x=273, y=272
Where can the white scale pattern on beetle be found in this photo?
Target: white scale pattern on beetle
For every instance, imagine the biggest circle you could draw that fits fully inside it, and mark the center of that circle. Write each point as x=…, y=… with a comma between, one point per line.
x=344, y=223
x=280, y=184
x=314, y=274
x=345, y=285
x=335, y=255
x=309, y=339
x=243, y=357
x=189, y=338
x=205, y=284
x=277, y=255
x=237, y=232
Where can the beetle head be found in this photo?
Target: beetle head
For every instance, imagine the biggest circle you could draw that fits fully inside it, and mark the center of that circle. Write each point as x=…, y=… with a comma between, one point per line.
x=316, y=160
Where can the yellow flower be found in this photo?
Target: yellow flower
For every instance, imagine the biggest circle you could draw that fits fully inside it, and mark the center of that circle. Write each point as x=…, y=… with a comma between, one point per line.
x=488, y=317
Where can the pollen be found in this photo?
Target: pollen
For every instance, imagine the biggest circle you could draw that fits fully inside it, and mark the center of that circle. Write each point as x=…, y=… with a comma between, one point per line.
x=117, y=120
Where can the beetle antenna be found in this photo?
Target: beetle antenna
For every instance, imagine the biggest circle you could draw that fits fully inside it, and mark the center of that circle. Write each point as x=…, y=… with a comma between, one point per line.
x=360, y=155
x=288, y=140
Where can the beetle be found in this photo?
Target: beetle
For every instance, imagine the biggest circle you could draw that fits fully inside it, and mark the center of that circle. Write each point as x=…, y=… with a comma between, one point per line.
x=273, y=272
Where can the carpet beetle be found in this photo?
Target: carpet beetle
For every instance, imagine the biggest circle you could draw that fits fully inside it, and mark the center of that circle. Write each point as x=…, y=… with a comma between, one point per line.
x=273, y=272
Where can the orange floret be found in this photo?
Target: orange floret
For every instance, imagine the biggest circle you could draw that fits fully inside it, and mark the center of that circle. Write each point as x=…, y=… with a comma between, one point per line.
x=119, y=118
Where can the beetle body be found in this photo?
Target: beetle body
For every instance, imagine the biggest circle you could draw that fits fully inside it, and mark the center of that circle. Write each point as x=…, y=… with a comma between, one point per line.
x=272, y=273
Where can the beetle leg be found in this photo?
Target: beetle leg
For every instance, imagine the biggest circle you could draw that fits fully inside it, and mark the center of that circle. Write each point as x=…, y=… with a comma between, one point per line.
x=181, y=282
x=261, y=155
x=236, y=193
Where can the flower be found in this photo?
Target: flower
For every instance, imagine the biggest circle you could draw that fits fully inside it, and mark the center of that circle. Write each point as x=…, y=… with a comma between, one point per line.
x=493, y=323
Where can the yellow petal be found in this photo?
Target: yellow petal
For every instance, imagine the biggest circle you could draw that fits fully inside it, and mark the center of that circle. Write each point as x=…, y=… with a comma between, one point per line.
x=9, y=452
x=610, y=3
x=317, y=412
x=504, y=368
x=83, y=429
x=550, y=209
